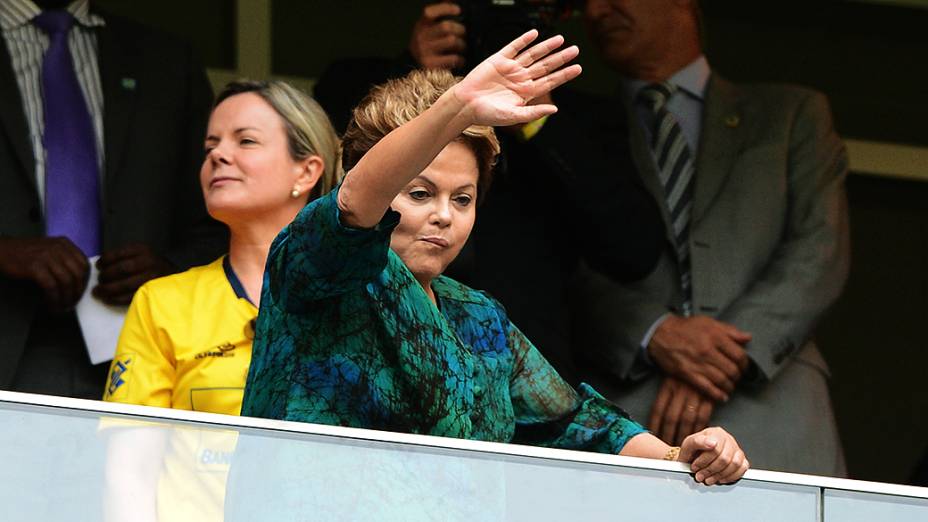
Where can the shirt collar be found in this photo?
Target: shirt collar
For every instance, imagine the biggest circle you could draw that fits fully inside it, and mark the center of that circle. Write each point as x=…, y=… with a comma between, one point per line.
x=16, y=13
x=233, y=279
x=691, y=79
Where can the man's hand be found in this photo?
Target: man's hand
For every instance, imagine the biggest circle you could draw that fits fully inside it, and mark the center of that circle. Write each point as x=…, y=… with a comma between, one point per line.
x=679, y=411
x=55, y=264
x=125, y=269
x=714, y=456
x=437, y=42
x=702, y=351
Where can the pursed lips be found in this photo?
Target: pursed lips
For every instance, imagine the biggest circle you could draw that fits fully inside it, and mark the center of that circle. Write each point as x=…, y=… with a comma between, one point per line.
x=218, y=180
x=436, y=240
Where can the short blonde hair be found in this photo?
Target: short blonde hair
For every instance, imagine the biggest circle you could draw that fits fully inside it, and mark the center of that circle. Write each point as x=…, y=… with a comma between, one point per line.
x=309, y=131
x=398, y=101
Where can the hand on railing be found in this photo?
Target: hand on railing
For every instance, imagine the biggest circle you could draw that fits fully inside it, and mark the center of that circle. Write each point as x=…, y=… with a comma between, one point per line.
x=714, y=456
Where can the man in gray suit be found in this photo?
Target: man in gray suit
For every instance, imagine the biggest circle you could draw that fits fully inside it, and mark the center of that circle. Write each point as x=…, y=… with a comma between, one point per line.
x=751, y=183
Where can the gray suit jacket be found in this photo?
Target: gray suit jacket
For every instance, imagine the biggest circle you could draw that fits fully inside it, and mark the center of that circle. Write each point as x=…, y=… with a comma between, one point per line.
x=156, y=103
x=769, y=253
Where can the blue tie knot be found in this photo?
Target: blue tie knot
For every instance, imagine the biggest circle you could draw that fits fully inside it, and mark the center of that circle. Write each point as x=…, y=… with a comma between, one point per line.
x=54, y=21
x=655, y=95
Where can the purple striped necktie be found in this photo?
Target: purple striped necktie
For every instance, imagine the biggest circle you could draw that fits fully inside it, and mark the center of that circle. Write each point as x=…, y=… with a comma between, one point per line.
x=72, y=193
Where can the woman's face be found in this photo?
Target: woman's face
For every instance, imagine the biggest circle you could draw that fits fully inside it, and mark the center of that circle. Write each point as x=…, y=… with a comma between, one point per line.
x=438, y=208
x=248, y=172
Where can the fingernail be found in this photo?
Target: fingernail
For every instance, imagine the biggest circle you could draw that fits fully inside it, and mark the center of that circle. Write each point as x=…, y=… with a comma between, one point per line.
x=710, y=481
x=711, y=442
x=700, y=476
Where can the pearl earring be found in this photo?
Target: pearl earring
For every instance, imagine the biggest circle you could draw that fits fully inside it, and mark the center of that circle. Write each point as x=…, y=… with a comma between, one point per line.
x=295, y=193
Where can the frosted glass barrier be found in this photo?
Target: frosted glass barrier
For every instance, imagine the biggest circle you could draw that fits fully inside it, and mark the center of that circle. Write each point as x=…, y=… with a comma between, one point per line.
x=854, y=506
x=70, y=463
x=62, y=459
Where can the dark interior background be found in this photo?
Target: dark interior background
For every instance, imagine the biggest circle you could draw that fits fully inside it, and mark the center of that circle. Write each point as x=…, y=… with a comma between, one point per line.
x=870, y=60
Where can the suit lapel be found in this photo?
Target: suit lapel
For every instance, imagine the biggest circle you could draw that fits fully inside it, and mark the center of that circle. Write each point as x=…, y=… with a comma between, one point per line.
x=720, y=142
x=13, y=118
x=120, y=84
x=641, y=152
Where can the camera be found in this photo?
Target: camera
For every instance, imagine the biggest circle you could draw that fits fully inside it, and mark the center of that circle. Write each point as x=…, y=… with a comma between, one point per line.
x=491, y=24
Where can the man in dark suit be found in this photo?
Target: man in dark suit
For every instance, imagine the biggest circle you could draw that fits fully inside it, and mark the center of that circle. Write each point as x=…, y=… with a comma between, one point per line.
x=145, y=103
x=751, y=184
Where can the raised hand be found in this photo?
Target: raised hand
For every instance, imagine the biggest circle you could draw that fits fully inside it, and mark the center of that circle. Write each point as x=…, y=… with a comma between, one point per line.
x=497, y=92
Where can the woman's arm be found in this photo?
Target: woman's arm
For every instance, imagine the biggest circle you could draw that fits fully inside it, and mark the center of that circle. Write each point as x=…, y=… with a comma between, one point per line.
x=494, y=93
x=550, y=413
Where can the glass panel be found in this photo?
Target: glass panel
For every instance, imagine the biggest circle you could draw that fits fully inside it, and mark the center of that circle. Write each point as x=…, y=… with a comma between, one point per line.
x=365, y=480
x=61, y=464
x=853, y=506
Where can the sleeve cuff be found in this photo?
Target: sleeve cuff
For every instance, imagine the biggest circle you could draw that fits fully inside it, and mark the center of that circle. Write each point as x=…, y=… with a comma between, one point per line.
x=387, y=223
x=646, y=340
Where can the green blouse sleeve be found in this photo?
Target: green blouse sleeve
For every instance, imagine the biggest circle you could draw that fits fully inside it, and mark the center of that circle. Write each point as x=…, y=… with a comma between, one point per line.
x=316, y=256
x=549, y=412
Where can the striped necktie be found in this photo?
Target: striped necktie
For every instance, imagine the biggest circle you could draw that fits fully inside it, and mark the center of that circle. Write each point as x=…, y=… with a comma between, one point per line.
x=675, y=165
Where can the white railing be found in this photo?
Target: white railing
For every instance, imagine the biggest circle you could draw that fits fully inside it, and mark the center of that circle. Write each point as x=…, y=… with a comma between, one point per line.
x=87, y=460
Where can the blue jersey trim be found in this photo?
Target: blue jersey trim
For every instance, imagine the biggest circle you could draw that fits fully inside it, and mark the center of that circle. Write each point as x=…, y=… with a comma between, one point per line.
x=234, y=281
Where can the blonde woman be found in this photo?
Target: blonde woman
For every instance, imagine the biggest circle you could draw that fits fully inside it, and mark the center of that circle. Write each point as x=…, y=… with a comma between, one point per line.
x=187, y=339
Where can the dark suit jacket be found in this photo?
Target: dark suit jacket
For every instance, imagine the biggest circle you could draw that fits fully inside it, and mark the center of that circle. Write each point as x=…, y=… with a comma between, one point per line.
x=569, y=193
x=769, y=253
x=156, y=103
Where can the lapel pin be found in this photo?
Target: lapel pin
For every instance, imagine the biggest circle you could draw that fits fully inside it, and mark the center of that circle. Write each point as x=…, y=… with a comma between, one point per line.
x=732, y=121
x=128, y=84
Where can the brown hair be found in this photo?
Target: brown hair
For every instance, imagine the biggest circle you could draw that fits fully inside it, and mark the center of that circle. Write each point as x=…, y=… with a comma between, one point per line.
x=309, y=131
x=398, y=101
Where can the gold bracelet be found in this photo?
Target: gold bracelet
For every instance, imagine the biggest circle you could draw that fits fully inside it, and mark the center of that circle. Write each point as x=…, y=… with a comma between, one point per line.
x=672, y=453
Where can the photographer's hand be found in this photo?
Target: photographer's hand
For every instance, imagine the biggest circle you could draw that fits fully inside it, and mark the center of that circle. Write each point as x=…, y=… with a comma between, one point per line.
x=438, y=42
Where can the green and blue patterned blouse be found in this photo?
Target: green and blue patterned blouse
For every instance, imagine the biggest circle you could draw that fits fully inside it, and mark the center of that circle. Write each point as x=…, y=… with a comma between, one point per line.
x=347, y=336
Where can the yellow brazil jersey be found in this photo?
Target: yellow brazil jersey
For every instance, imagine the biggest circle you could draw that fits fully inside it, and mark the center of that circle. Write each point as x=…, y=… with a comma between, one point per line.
x=186, y=343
